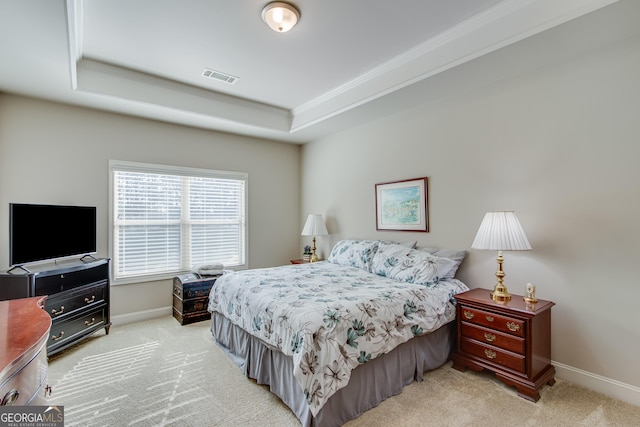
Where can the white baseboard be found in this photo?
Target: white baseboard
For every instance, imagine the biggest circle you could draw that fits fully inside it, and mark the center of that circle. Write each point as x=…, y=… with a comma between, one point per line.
x=139, y=316
x=616, y=389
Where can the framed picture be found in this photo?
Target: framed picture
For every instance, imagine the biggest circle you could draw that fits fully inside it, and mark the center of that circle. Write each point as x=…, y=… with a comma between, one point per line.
x=402, y=205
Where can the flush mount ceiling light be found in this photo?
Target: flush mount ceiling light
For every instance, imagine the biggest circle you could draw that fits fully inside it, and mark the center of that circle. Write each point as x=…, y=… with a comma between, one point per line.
x=280, y=16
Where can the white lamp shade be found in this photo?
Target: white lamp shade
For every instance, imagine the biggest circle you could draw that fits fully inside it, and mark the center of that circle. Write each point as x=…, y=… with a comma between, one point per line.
x=314, y=226
x=501, y=231
x=280, y=16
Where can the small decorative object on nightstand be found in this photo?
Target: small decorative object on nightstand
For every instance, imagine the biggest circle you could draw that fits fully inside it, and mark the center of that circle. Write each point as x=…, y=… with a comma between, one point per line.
x=306, y=256
x=530, y=293
x=511, y=339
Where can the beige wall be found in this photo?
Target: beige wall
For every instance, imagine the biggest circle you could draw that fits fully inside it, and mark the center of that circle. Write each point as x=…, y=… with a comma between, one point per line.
x=560, y=146
x=51, y=153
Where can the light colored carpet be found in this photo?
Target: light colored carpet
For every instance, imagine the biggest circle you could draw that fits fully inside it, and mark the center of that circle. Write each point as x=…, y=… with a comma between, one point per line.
x=158, y=373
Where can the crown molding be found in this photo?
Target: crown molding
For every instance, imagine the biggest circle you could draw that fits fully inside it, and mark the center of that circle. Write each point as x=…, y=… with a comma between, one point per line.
x=507, y=22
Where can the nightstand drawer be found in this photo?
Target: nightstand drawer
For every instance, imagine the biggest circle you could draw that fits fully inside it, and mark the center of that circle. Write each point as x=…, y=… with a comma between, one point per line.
x=494, y=355
x=493, y=337
x=494, y=321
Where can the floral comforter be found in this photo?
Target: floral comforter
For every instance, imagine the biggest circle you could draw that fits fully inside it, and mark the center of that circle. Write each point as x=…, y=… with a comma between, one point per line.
x=330, y=318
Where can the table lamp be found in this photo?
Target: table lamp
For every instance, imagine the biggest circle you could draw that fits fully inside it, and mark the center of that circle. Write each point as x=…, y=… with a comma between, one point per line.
x=314, y=227
x=501, y=231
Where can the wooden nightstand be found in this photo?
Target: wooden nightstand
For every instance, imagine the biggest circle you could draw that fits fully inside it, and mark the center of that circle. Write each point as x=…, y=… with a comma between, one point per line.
x=511, y=339
x=301, y=261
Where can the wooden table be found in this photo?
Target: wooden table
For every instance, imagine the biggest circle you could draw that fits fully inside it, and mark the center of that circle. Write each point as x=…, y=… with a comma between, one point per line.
x=24, y=330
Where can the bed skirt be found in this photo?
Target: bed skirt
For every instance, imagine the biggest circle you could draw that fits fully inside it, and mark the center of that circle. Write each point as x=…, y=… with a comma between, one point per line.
x=370, y=383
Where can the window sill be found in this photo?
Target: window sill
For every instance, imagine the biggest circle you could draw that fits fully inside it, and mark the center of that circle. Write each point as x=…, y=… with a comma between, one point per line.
x=158, y=277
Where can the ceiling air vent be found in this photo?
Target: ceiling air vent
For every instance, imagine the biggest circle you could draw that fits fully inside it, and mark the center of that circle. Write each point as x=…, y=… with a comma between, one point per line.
x=217, y=75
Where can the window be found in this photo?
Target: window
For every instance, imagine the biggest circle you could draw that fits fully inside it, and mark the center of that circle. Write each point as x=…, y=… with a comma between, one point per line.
x=168, y=219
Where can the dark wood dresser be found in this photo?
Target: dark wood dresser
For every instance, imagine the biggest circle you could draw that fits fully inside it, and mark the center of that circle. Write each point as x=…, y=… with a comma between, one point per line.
x=191, y=297
x=24, y=329
x=78, y=297
x=511, y=339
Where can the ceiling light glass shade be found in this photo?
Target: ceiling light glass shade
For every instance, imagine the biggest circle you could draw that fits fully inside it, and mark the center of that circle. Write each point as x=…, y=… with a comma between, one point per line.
x=501, y=231
x=280, y=16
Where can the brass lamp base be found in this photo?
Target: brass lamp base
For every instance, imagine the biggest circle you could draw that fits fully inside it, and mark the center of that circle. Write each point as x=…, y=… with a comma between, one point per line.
x=314, y=257
x=500, y=293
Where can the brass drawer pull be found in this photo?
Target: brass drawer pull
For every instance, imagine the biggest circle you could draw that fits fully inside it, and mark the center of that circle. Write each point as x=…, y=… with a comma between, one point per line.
x=489, y=337
x=513, y=327
x=468, y=315
x=490, y=319
x=490, y=354
x=87, y=323
x=56, y=338
x=56, y=312
x=10, y=397
x=89, y=301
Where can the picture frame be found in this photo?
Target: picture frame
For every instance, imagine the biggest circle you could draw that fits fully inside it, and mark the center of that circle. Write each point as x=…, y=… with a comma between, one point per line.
x=402, y=205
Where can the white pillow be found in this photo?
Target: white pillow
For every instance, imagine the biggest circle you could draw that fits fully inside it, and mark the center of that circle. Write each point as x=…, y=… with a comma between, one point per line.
x=410, y=265
x=354, y=253
x=456, y=255
x=411, y=245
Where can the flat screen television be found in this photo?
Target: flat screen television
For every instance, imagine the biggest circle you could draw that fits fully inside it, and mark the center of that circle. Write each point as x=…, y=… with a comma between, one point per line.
x=44, y=232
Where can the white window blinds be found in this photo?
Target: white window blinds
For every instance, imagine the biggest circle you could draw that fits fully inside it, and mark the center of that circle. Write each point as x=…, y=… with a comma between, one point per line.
x=169, y=219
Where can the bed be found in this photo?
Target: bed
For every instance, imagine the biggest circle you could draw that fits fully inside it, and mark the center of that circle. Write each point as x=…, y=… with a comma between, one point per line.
x=335, y=338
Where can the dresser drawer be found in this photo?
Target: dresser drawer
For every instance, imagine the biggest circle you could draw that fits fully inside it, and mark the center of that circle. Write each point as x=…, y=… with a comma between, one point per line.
x=65, y=303
x=24, y=386
x=72, y=327
x=495, y=355
x=50, y=284
x=493, y=337
x=493, y=321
